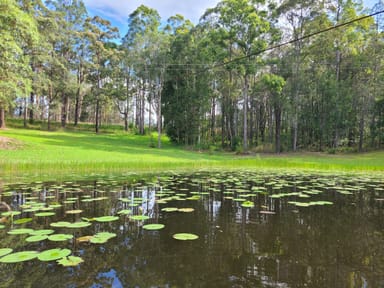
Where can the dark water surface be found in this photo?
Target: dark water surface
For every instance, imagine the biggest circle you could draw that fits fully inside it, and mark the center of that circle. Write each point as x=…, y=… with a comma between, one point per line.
x=337, y=240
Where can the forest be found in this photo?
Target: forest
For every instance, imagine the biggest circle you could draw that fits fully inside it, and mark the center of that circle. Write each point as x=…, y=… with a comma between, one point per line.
x=250, y=76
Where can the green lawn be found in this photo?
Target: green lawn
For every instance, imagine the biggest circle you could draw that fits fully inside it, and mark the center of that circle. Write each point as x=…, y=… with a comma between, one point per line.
x=59, y=153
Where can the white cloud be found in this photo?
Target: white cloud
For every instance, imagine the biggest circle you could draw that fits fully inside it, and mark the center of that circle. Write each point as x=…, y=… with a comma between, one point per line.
x=118, y=10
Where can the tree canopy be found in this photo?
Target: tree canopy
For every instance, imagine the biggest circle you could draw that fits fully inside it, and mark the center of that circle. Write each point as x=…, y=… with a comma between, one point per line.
x=224, y=82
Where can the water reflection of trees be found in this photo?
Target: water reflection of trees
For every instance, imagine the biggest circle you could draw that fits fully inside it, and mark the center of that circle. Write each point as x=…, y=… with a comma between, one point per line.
x=320, y=246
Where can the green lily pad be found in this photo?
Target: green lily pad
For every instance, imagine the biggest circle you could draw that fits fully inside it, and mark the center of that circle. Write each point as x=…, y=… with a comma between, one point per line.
x=10, y=213
x=248, y=204
x=60, y=224
x=60, y=237
x=5, y=251
x=299, y=204
x=69, y=201
x=139, y=217
x=322, y=203
x=106, y=218
x=170, y=209
x=45, y=214
x=20, y=231
x=42, y=232
x=78, y=211
x=2, y=226
x=186, y=210
x=98, y=240
x=153, y=226
x=108, y=235
x=19, y=257
x=53, y=254
x=22, y=221
x=70, y=261
x=36, y=238
x=185, y=236
x=102, y=237
x=80, y=224
x=124, y=212
x=34, y=209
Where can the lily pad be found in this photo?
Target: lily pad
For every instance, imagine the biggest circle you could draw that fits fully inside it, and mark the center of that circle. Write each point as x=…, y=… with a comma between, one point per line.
x=186, y=210
x=19, y=257
x=139, y=217
x=2, y=226
x=10, y=213
x=20, y=231
x=153, y=226
x=53, y=254
x=106, y=218
x=60, y=224
x=45, y=214
x=170, y=209
x=42, y=232
x=70, y=261
x=124, y=212
x=102, y=237
x=22, y=221
x=36, y=238
x=5, y=251
x=74, y=211
x=185, y=236
x=60, y=237
x=80, y=224
x=248, y=204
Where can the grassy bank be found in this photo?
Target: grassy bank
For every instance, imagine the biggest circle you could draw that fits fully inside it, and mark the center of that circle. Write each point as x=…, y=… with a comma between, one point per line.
x=38, y=152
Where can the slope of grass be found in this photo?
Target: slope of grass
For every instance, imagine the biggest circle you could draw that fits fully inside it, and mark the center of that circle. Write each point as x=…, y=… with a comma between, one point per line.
x=60, y=153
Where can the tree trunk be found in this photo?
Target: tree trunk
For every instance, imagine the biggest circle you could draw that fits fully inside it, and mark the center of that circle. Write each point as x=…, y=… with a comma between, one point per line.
x=142, y=110
x=245, y=111
x=2, y=118
x=97, y=116
x=64, y=110
x=77, y=107
x=31, y=102
x=361, y=133
x=159, y=122
x=277, y=129
x=25, y=112
x=125, y=120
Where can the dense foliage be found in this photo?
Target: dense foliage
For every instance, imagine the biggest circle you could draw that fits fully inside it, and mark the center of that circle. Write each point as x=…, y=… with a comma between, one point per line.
x=213, y=84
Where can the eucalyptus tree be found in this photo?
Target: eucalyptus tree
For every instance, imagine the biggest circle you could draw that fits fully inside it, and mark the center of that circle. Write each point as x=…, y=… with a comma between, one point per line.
x=99, y=33
x=18, y=29
x=274, y=85
x=244, y=25
x=143, y=26
x=69, y=49
x=39, y=54
x=185, y=97
x=121, y=86
x=297, y=14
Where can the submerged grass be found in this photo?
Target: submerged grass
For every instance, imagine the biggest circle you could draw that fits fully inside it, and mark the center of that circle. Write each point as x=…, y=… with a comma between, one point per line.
x=40, y=153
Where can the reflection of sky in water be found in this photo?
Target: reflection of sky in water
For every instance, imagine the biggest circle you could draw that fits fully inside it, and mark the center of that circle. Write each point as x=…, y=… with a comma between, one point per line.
x=238, y=247
x=111, y=279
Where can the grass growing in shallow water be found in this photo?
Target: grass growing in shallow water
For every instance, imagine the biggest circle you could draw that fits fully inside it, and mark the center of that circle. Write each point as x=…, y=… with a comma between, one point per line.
x=60, y=153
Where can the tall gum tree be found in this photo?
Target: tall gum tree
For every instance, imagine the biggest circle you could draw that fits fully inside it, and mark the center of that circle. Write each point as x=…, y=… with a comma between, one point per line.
x=18, y=29
x=245, y=24
x=99, y=32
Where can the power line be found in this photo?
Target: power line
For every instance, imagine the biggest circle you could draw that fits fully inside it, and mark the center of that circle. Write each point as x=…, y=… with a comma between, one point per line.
x=294, y=40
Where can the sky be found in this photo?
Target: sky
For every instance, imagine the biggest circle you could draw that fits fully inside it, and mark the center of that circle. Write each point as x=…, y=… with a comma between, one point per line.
x=117, y=11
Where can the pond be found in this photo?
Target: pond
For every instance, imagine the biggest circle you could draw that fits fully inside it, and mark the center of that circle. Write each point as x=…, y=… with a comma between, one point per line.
x=217, y=229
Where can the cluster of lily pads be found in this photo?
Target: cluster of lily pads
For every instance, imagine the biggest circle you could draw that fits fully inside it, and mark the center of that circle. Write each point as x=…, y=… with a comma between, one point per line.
x=242, y=188
x=60, y=255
